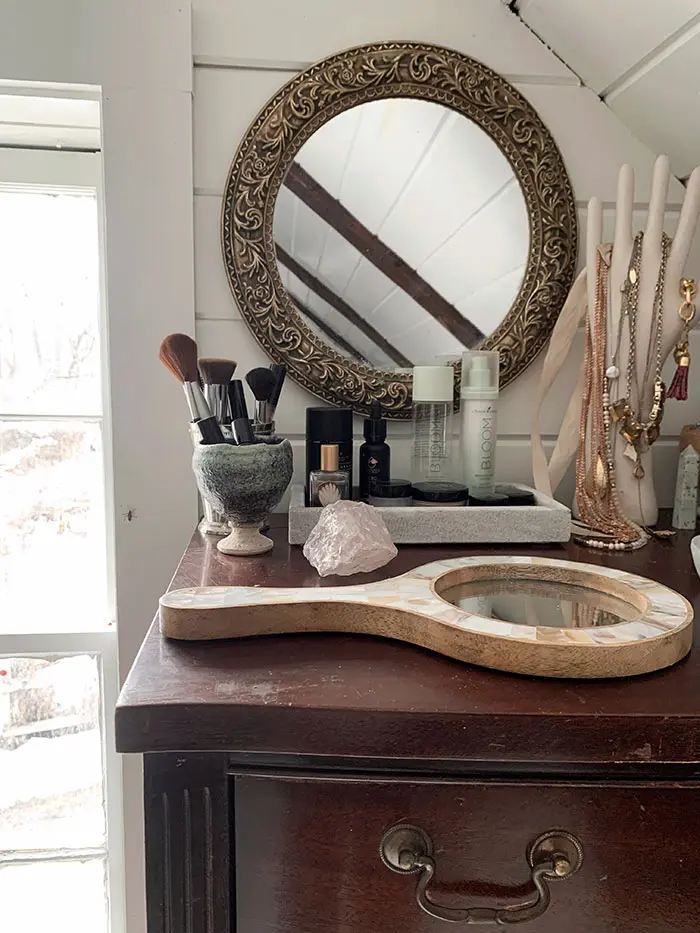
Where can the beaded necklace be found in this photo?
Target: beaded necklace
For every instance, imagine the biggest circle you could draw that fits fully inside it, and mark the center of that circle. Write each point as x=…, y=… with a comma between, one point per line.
x=596, y=490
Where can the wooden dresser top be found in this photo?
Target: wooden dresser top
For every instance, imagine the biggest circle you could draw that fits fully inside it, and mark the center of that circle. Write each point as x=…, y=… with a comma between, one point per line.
x=345, y=698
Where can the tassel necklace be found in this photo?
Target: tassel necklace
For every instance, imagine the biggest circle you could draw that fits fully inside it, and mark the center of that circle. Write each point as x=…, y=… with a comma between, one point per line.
x=681, y=353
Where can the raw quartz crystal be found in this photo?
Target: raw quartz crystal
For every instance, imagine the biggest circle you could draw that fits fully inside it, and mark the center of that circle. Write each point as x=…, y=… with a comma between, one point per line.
x=349, y=537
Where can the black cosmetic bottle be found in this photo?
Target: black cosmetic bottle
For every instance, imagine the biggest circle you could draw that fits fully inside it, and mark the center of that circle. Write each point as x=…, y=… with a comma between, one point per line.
x=328, y=426
x=375, y=453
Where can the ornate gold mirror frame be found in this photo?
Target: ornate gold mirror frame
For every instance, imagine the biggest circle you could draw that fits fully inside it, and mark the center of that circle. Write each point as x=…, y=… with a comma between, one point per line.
x=372, y=72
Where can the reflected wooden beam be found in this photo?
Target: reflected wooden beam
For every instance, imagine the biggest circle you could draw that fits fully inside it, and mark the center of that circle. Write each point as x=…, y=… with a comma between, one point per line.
x=315, y=196
x=329, y=332
x=342, y=307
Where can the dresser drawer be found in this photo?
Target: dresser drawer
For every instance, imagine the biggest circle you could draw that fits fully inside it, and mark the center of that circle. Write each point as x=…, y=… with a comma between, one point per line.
x=308, y=855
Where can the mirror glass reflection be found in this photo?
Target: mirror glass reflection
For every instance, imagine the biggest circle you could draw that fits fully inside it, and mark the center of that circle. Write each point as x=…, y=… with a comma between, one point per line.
x=401, y=233
x=541, y=603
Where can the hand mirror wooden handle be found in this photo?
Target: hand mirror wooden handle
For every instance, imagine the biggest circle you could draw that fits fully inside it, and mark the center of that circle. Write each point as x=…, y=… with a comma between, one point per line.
x=528, y=615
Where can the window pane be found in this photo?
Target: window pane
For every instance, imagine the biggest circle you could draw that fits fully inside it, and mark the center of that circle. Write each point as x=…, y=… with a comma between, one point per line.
x=61, y=897
x=52, y=531
x=51, y=784
x=49, y=303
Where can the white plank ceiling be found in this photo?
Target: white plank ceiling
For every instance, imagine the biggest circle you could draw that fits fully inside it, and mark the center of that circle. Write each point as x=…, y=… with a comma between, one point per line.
x=642, y=57
x=389, y=162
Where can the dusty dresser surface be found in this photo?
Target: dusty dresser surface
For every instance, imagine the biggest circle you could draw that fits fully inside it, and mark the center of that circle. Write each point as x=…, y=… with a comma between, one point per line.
x=317, y=783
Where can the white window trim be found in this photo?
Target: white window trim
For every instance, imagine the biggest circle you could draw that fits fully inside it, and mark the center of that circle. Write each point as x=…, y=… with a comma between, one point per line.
x=136, y=58
x=49, y=168
x=80, y=171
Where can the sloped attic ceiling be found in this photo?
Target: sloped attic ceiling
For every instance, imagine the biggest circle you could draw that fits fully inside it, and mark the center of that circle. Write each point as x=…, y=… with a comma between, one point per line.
x=642, y=57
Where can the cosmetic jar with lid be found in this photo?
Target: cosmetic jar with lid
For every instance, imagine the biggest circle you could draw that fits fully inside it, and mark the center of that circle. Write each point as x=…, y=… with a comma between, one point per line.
x=391, y=493
x=440, y=494
x=516, y=496
x=488, y=498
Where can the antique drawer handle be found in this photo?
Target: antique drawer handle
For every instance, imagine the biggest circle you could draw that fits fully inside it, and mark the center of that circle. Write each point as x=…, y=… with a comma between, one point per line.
x=556, y=854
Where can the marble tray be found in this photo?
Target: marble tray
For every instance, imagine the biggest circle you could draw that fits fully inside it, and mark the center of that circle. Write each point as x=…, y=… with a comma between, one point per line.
x=547, y=522
x=653, y=631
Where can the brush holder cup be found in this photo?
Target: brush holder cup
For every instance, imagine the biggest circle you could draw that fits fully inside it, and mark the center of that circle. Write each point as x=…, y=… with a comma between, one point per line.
x=244, y=483
x=213, y=522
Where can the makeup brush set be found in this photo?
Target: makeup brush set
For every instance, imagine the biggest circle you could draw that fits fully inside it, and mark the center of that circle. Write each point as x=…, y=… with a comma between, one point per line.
x=216, y=400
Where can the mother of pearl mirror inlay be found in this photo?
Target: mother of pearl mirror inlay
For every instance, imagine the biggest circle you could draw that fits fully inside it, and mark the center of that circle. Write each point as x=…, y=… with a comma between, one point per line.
x=648, y=625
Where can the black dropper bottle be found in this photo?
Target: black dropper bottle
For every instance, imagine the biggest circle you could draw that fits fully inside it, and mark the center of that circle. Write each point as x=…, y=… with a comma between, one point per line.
x=375, y=454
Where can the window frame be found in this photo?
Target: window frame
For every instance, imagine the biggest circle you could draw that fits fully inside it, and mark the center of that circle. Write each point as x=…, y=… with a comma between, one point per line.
x=79, y=172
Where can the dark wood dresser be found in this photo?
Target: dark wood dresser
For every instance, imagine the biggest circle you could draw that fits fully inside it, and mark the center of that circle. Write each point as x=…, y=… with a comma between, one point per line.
x=275, y=768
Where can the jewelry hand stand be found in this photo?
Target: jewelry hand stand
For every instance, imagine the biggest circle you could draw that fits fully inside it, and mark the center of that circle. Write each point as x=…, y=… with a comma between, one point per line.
x=662, y=309
x=528, y=615
x=659, y=324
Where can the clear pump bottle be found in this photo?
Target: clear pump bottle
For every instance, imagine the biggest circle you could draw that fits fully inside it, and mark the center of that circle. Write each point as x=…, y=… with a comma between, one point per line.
x=433, y=407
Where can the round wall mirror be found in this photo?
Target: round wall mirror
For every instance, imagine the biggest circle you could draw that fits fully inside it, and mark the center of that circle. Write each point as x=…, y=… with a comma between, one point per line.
x=391, y=206
x=401, y=233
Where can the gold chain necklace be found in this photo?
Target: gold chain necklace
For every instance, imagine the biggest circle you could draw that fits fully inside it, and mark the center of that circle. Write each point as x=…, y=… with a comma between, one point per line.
x=596, y=490
x=638, y=433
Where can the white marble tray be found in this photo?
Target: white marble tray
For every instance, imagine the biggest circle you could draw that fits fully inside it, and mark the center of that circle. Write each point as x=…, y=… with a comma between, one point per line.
x=547, y=522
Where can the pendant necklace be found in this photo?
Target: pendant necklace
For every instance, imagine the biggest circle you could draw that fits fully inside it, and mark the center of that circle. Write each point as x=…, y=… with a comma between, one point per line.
x=612, y=373
x=638, y=433
x=596, y=491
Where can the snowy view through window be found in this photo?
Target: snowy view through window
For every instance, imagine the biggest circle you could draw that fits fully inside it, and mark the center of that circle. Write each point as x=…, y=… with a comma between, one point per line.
x=52, y=563
x=51, y=499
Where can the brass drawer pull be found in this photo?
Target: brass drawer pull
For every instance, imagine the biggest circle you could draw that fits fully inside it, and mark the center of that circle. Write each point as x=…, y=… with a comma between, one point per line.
x=553, y=855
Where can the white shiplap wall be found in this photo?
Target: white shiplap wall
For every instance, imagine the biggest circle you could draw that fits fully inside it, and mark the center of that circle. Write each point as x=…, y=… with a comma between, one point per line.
x=243, y=54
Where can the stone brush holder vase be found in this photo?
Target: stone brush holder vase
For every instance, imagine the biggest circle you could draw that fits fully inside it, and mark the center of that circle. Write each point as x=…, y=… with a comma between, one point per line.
x=244, y=483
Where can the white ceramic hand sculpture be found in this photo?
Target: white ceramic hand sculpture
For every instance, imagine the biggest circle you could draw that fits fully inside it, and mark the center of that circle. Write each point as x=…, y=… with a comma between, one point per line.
x=637, y=497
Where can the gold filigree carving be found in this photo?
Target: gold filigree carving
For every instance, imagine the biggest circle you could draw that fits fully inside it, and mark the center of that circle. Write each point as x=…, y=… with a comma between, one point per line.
x=372, y=72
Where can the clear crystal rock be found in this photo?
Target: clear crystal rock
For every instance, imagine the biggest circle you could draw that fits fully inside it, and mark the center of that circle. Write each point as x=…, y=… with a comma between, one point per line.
x=349, y=537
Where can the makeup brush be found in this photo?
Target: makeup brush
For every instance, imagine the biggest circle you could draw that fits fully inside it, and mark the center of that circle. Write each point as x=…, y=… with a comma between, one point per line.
x=280, y=373
x=216, y=375
x=262, y=382
x=178, y=353
x=241, y=426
